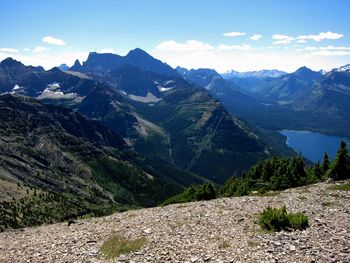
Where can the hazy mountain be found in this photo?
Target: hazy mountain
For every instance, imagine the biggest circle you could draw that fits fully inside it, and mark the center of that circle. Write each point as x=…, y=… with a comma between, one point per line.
x=238, y=104
x=344, y=68
x=282, y=90
x=105, y=63
x=329, y=98
x=63, y=67
x=265, y=73
x=176, y=121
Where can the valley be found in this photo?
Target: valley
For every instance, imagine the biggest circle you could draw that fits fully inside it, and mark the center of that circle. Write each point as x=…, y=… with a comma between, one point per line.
x=174, y=131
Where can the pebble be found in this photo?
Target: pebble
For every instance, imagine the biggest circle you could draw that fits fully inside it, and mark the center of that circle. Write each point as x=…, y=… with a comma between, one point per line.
x=221, y=230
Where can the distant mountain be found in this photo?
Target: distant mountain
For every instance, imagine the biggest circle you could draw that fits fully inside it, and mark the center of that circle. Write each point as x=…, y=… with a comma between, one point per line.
x=282, y=90
x=105, y=63
x=176, y=121
x=330, y=97
x=265, y=73
x=238, y=104
x=344, y=68
x=161, y=116
x=17, y=78
x=304, y=99
x=63, y=67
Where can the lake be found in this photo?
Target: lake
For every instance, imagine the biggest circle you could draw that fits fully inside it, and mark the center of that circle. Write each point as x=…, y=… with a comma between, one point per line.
x=313, y=145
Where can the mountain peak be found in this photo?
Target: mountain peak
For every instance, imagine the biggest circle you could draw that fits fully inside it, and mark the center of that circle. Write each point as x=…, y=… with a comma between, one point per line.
x=303, y=70
x=10, y=62
x=137, y=51
x=63, y=66
x=307, y=73
x=77, y=63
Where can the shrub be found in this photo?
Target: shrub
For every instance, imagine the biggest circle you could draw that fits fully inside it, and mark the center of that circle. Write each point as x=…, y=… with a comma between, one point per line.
x=117, y=245
x=341, y=187
x=277, y=219
x=205, y=191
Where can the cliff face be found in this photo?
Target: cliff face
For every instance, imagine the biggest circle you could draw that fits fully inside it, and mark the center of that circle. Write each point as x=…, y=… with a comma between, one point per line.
x=221, y=230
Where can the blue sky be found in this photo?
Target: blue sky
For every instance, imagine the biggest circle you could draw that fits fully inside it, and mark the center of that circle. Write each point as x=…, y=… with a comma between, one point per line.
x=240, y=35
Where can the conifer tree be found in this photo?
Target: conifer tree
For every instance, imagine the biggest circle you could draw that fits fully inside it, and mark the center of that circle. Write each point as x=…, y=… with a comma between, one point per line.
x=326, y=164
x=340, y=168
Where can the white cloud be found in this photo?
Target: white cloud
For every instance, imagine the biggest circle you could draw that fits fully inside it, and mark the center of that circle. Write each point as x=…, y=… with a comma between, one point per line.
x=53, y=41
x=107, y=50
x=284, y=39
x=330, y=53
x=243, y=47
x=40, y=49
x=9, y=50
x=26, y=49
x=330, y=47
x=310, y=48
x=188, y=46
x=48, y=59
x=321, y=36
x=334, y=48
x=280, y=37
x=256, y=37
x=234, y=34
x=245, y=57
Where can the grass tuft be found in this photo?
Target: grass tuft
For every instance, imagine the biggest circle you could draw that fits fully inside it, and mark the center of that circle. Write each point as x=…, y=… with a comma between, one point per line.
x=277, y=219
x=117, y=245
x=341, y=187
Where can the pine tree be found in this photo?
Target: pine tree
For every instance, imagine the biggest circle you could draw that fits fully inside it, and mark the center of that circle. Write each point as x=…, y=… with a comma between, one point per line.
x=340, y=168
x=326, y=164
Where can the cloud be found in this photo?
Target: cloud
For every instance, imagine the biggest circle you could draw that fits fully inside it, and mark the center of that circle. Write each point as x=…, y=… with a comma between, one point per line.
x=245, y=57
x=107, y=50
x=330, y=47
x=256, y=37
x=280, y=37
x=40, y=49
x=26, y=49
x=48, y=59
x=243, y=47
x=284, y=39
x=53, y=41
x=321, y=36
x=9, y=50
x=330, y=53
x=188, y=46
x=334, y=48
x=234, y=34
x=310, y=48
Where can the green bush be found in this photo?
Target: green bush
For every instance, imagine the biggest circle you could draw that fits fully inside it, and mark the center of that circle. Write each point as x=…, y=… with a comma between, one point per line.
x=205, y=191
x=277, y=219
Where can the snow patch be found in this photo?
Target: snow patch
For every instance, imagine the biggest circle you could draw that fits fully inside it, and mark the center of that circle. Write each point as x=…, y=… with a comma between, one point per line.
x=16, y=87
x=50, y=94
x=53, y=86
x=148, y=99
x=344, y=68
x=53, y=92
x=163, y=89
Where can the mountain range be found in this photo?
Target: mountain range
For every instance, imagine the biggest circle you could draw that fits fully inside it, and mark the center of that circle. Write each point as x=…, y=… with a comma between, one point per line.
x=302, y=100
x=177, y=132
x=116, y=132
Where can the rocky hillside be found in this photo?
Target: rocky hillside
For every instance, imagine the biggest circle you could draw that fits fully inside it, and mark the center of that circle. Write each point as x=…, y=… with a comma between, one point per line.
x=222, y=230
x=56, y=164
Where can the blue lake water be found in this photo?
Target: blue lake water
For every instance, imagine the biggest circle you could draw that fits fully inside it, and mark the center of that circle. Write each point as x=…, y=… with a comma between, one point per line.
x=313, y=145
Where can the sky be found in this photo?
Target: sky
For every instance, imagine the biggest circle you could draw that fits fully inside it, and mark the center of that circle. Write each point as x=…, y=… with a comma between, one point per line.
x=221, y=34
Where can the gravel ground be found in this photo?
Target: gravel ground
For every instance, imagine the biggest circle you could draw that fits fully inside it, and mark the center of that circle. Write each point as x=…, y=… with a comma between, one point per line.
x=221, y=230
